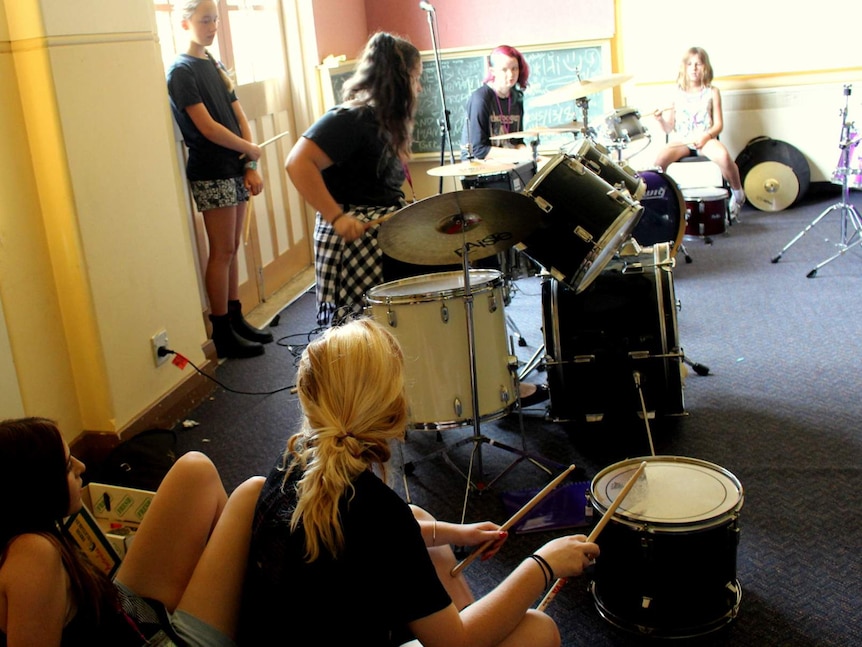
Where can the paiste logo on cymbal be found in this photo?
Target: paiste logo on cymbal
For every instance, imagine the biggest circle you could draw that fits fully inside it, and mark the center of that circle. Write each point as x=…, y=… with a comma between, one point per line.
x=490, y=240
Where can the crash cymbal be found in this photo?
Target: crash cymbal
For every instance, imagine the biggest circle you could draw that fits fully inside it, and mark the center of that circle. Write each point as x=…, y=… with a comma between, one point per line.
x=471, y=167
x=580, y=89
x=538, y=131
x=771, y=186
x=435, y=230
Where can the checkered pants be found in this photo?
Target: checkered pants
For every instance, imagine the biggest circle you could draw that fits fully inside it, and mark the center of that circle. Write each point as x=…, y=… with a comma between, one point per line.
x=344, y=272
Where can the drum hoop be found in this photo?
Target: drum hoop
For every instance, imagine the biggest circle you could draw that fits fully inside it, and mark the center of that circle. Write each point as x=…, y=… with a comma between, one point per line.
x=705, y=194
x=680, y=200
x=494, y=280
x=653, y=525
x=589, y=270
x=544, y=172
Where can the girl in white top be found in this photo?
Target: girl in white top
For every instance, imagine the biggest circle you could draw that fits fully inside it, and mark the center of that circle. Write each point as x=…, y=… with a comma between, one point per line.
x=694, y=122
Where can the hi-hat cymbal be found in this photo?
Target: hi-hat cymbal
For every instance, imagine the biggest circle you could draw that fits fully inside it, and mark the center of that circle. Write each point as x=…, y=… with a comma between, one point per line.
x=435, y=231
x=771, y=186
x=580, y=89
x=538, y=131
x=470, y=167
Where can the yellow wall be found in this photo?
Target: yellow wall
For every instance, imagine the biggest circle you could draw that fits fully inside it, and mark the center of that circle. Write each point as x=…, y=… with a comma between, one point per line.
x=95, y=254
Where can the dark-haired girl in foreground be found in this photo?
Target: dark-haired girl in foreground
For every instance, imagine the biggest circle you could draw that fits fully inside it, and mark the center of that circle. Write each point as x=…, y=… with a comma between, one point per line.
x=179, y=583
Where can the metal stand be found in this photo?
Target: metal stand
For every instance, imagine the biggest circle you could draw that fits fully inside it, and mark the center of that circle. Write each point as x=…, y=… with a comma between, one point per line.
x=445, y=126
x=475, y=475
x=851, y=224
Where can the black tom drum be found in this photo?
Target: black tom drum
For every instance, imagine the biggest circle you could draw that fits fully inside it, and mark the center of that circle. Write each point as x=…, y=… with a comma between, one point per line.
x=667, y=568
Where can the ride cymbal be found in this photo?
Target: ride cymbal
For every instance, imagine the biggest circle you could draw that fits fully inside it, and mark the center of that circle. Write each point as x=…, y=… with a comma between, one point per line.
x=580, y=89
x=471, y=167
x=436, y=230
x=771, y=186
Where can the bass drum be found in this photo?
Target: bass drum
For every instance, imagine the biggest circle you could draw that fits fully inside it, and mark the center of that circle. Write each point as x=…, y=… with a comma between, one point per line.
x=663, y=218
x=668, y=563
x=595, y=341
x=774, y=174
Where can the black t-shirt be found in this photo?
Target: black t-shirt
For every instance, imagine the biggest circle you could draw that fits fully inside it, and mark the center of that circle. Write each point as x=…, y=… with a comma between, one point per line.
x=191, y=81
x=489, y=115
x=383, y=580
x=365, y=172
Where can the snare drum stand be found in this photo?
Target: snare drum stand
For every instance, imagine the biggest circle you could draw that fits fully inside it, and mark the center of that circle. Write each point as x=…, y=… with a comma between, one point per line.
x=477, y=438
x=851, y=224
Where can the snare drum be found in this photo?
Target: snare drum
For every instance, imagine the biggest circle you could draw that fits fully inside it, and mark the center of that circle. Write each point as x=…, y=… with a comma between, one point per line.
x=587, y=221
x=596, y=340
x=663, y=219
x=597, y=159
x=706, y=211
x=427, y=314
x=667, y=567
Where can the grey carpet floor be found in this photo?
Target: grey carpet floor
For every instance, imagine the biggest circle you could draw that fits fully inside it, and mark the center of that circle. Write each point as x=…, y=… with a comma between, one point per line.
x=779, y=409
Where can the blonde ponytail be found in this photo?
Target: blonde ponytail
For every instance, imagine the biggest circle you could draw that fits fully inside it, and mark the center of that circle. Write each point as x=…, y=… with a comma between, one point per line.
x=351, y=387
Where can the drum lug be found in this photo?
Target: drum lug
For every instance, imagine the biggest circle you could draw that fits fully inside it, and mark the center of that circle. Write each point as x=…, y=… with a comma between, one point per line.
x=459, y=409
x=444, y=313
x=544, y=205
x=392, y=318
x=492, y=302
x=639, y=354
x=504, y=395
x=583, y=234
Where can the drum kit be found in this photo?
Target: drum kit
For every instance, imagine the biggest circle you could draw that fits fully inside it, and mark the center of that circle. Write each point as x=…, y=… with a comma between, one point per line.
x=610, y=342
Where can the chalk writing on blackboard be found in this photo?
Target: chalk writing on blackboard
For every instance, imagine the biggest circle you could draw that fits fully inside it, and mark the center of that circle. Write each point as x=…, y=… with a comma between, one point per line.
x=550, y=68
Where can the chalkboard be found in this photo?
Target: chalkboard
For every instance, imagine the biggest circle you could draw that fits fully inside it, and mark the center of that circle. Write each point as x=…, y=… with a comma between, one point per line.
x=550, y=68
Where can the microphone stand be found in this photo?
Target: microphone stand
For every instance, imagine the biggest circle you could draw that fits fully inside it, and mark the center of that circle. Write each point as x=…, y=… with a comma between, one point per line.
x=445, y=127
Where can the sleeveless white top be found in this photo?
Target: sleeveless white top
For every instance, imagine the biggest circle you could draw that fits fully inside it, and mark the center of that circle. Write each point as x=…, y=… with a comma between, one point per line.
x=692, y=114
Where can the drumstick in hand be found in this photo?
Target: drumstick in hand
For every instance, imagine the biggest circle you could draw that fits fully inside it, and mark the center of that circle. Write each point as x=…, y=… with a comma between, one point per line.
x=532, y=503
x=549, y=597
x=380, y=220
x=269, y=141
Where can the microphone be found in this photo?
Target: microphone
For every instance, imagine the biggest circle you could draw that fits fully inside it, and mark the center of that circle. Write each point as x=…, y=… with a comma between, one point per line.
x=426, y=6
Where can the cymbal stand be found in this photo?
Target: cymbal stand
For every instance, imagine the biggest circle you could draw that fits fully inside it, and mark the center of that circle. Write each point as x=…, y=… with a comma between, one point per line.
x=851, y=224
x=445, y=126
x=477, y=438
x=584, y=104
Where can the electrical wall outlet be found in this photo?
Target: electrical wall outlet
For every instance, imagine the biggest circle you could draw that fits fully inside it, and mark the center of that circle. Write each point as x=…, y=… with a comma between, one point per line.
x=159, y=340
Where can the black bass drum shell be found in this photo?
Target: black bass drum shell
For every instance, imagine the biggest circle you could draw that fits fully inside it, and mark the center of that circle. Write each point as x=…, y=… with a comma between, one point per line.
x=761, y=150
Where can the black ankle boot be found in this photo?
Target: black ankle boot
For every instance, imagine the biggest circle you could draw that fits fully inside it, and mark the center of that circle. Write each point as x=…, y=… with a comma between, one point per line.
x=243, y=328
x=228, y=343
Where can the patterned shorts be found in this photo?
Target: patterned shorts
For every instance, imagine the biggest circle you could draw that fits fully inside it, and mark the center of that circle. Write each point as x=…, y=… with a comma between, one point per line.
x=214, y=194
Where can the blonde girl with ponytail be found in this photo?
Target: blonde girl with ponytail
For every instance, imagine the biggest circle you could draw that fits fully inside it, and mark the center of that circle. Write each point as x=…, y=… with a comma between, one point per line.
x=338, y=558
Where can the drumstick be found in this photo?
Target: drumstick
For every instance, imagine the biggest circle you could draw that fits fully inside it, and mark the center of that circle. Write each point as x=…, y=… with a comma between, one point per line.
x=269, y=141
x=549, y=597
x=670, y=107
x=380, y=220
x=532, y=503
